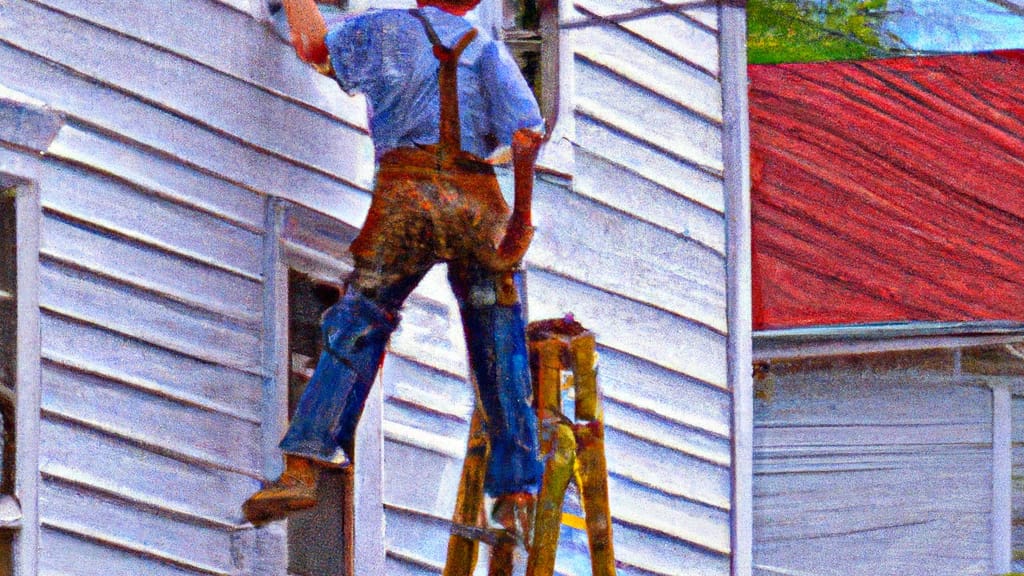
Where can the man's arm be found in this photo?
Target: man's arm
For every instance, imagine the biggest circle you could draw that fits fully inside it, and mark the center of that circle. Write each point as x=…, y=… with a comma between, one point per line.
x=308, y=31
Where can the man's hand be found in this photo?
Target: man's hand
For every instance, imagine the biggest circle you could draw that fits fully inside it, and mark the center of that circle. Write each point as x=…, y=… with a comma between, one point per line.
x=308, y=31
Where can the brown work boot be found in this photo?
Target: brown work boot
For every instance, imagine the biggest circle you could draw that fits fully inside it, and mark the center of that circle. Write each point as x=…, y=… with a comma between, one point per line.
x=295, y=490
x=514, y=513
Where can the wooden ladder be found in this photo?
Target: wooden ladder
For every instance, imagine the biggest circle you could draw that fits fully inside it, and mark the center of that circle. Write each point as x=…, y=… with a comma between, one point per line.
x=562, y=356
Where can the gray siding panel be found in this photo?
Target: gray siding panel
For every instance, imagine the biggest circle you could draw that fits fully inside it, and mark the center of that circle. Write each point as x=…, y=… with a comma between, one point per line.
x=110, y=463
x=86, y=297
x=147, y=125
x=115, y=356
x=71, y=553
x=117, y=207
x=626, y=325
x=148, y=418
x=622, y=255
x=857, y=467
x=206, y=548
x=205, y=96
x=255, y=53
x=155, y=270
x=161, y=176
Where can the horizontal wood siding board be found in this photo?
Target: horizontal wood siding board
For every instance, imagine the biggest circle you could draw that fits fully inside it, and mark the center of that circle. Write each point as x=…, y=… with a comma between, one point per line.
x=316, y=231
x=661, y=554
x=849, y=462
x=398, y=564
x=151, y=419
x=648, y=426
x=674, y=34
x=625, y=325
x=196, y=93
x=111, y=112
x=418, y=478
x=155, y=270
x=606, y=95
x=668, y=394
x=616, y=51
x=106, y=203
x=641, y=267
x=701, y=184
x=707, y=15
x=415, y=534
x=160, y=176
x=163, y=322
x=257, y=54
x=414, y=381
x=648, y=201
x=69, y=553
x=639, y=505
x=112, y=519
x=96, y=458
x=116, y=356
x=668, y=470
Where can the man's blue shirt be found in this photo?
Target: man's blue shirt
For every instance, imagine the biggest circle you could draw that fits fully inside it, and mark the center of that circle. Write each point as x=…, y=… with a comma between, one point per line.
x=386, y=55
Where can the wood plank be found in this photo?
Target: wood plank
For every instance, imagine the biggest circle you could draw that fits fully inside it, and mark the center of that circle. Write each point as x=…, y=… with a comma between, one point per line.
x=668, y=470
x=633, y=382
x=604, y=94
x=625, y=325
x=106, y=109
x=161, y=176
x=68, y=554
x=151, y=318
x=660, y=554
x=621, y=255
x=631, y=58
x=119, y=521
x=257, y=54
x=119, y=357
x=137, y=264
x=119, y=208
x=195, y=92
x=680, y=37
x=668, y=515
x=649, y=426
x=421, y=479
x=417, y=535
x=151, y=419
x=699, y=184
x=649, y=201
x=94, y=458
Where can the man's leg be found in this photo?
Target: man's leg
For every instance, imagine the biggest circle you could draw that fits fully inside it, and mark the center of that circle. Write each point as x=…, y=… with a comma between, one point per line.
x=322, y=431
x=495, y=330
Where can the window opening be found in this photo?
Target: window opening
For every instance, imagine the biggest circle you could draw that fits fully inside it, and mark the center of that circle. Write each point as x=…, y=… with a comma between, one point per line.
x=530, y=31
x=319, y=540
x=8, y=373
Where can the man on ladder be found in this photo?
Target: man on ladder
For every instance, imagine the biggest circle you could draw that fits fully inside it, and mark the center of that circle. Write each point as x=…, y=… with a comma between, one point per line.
x=442, y=99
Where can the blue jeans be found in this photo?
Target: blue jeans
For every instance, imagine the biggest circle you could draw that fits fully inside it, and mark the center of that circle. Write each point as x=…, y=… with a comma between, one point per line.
x=356, y=331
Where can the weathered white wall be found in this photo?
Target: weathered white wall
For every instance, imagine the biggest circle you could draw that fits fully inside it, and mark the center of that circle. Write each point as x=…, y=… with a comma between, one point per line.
x=181, y=118
x=634, y=245
x=865, y=467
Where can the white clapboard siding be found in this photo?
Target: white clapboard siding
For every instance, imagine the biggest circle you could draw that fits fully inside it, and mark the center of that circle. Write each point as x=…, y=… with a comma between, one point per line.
x=161, y=176
x=73, y=552
x=205, y=96
x=233, y=43
x=147, y=125
x=1017, y=419
x=648, y=139
x=864, y=472
x=641, y=266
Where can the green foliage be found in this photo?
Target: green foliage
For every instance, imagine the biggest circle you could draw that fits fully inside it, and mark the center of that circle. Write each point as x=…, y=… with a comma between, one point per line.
x=809, y=30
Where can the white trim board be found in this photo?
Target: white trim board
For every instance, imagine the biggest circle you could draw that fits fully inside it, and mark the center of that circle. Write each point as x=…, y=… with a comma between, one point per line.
x=843, y=340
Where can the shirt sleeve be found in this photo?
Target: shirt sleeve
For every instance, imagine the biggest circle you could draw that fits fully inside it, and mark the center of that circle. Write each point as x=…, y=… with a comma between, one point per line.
x=511, y=101
x=350, y=44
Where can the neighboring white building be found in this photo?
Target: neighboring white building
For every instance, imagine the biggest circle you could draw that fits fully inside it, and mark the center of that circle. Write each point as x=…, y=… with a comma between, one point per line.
x=172, y=161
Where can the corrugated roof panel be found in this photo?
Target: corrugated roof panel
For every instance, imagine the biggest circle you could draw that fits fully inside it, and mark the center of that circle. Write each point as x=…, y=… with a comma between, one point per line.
x=888, y=190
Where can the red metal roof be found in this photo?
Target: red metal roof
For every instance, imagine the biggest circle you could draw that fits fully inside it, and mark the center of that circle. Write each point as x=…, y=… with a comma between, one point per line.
x=888, y=190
